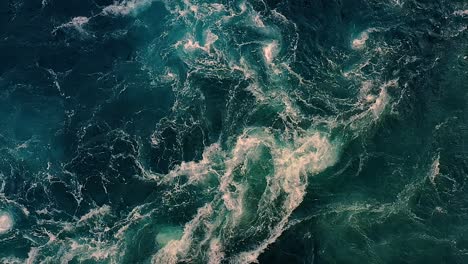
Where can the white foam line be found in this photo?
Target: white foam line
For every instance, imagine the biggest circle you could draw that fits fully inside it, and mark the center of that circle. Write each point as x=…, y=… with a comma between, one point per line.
x=435, y=169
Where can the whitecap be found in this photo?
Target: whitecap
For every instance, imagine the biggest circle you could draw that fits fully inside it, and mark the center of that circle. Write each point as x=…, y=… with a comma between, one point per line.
x=32, y=255
x=190, y=44
x=216, y=254
x=197, y=171
x=6, y=222
x=360, y=42
x=435, y=169
x=270, y=50
x=172, y=251
x=460, y=12
x=77, y=23
x=383, y=98
x=96, y=212
x=126, y=7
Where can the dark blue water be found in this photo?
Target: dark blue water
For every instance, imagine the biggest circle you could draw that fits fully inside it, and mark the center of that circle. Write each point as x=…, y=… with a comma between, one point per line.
x=191, y=131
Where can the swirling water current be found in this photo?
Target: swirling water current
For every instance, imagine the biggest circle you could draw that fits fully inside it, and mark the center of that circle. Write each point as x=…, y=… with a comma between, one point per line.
x=240, y=131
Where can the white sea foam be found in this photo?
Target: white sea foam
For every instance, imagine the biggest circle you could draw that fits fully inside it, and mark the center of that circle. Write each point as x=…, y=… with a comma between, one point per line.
x=12, y=260
x=171, y=253
x=380, y=102
x=461, y=12
x=383, y=98
x=190, y=44
x=32, y=255
x=57, y=85
x=257, y=20
x=76, y=23
x=79, y=22
x=270, y=50
x=6, y=222
x=293, y=162
x=360, y=42
x=243, y=67
x=87, y=249
x=210, y=39
x=51, y=236
x=218, y=7
x=290, y=112
x=216, y=254
x=126, y=7
x=310, y=154
x=102, y=254
x=197, y=171
x=243, y=6
x=366, y=87
x=399, y=3
x=293, y=156
x=96, y=212
x=233, y=200
x=257, y=92
x=435, y=169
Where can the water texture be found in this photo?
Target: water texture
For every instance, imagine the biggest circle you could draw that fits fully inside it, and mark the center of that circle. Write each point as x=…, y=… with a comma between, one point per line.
x=240, y=131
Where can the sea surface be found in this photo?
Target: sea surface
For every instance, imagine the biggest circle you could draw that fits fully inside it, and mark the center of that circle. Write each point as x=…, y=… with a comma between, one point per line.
x=233, y=131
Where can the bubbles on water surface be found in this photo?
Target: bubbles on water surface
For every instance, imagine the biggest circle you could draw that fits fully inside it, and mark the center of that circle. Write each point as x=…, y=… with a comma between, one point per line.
x=6, y=222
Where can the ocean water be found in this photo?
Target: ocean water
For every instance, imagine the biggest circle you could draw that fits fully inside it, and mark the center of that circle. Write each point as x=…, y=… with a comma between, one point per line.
x=240, y=131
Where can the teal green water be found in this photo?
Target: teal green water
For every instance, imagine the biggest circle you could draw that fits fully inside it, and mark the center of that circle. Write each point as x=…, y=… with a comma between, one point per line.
x=191, y=131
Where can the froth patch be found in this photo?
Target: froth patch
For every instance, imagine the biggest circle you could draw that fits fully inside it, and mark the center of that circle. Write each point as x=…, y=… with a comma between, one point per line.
x=461, y=12
x=270, y=50
x=382, y=100
x=174, y=249
x=126, y=7
x=190, y=44
x=215, y=255
x=360, y=42
x=6, y=222
x=77, y=23
x=435, y=169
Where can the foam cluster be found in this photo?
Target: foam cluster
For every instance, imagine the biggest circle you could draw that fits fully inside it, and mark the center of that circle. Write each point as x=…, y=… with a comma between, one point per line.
x=6, y=222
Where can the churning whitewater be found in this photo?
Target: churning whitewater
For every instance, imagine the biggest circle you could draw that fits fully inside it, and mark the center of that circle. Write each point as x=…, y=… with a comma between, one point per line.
x=243, y=131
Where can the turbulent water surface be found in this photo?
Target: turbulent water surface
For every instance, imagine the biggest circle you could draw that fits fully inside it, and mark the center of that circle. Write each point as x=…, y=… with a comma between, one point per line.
x=233, y=131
